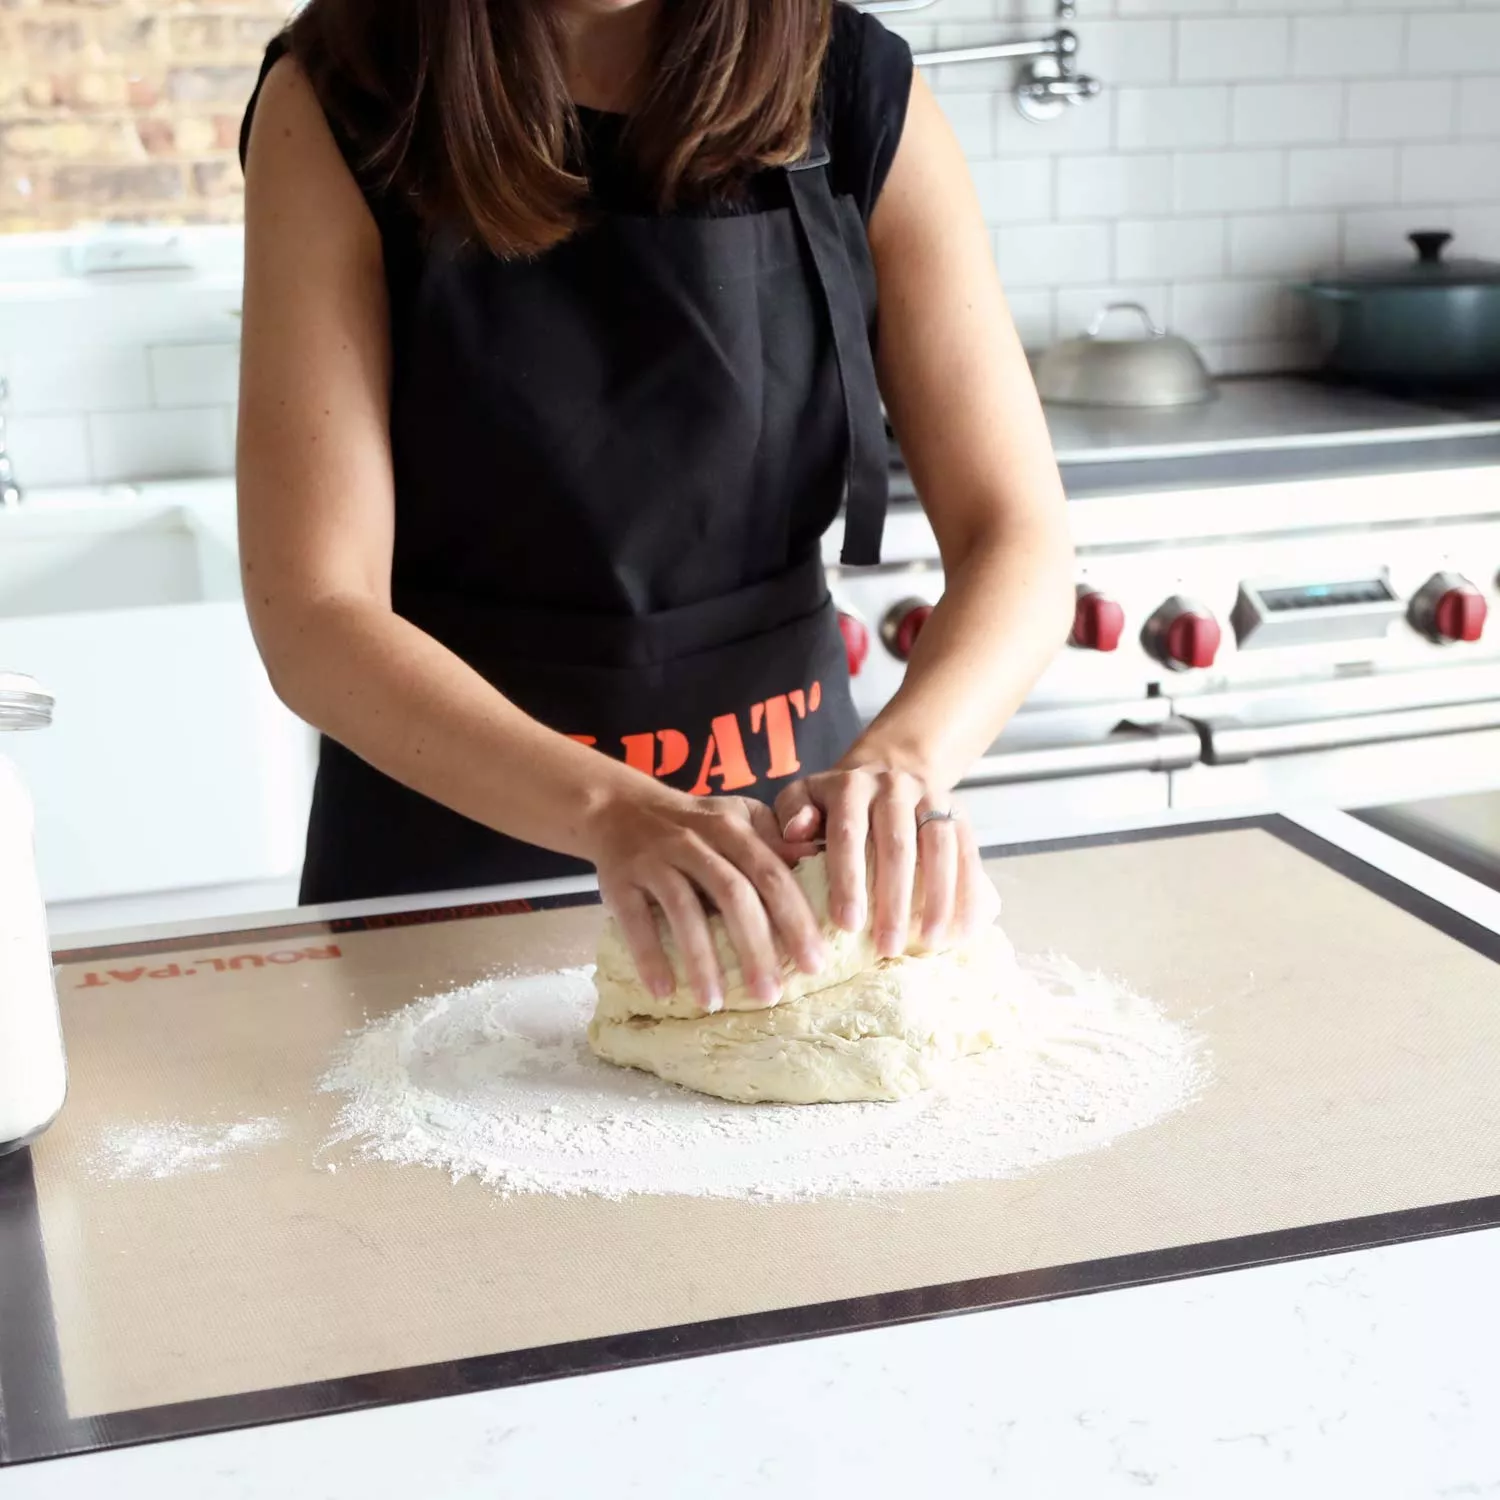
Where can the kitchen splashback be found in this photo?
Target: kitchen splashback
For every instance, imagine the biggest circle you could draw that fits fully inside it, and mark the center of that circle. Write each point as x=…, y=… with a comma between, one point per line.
x=1237, y=145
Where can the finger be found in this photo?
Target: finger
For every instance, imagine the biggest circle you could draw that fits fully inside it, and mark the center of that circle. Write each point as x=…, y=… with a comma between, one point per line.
x=767, y=827
x=679, y=899
x=743, y=912
x=794, y=854
x=768, y=830
x=798, y=814
x=791, y=916
x=643, y=937
x=938, y=860
x=978, y=902
x=848, y=829
x=893, y=821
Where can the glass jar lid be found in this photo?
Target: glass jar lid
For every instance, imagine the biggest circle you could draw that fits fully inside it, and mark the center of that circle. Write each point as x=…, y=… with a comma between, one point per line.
x=24, y=702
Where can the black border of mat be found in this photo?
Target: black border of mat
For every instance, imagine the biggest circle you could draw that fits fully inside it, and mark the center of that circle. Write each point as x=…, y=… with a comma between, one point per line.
x=34, y=1422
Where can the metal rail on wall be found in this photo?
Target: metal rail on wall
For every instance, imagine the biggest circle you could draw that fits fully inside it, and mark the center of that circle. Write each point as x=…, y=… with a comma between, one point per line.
x=1048, y=84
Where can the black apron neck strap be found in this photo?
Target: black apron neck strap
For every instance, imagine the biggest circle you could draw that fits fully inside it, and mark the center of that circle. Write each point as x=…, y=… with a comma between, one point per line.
x=867, y=458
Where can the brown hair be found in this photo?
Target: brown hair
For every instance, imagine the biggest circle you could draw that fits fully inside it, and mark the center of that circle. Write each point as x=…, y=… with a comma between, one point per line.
x=461, y=109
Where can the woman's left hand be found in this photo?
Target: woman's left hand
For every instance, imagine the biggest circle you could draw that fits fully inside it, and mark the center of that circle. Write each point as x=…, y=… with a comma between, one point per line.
x=884, y=808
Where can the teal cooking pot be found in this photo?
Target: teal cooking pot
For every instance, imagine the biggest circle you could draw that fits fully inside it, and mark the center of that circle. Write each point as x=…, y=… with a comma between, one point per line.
x=1424, y=323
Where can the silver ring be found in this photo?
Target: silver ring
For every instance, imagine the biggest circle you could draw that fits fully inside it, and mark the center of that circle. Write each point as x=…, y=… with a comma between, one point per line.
x=935, y=817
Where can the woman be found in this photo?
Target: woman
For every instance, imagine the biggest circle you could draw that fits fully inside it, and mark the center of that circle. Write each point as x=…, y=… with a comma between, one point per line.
x=558, y=361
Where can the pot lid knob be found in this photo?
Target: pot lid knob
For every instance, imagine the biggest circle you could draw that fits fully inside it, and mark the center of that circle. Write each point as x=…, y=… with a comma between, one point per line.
x=1430, y=245
x=1154, y=330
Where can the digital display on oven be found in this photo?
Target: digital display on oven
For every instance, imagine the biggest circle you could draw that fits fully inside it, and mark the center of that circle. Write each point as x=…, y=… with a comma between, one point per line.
x=1327, y=595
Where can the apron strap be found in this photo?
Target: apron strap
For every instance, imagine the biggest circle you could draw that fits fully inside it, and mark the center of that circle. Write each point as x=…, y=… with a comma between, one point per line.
x=867, y=461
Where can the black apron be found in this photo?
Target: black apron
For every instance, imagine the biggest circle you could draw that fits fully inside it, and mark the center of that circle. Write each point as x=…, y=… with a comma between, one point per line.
x=613, y=467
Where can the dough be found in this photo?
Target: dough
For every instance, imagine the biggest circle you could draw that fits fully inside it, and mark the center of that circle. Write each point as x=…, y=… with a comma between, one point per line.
x=622, y=995
x=866, y=1028
x=883, y=1034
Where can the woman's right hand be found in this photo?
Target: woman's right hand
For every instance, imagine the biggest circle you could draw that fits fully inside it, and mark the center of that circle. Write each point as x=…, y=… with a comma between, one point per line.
x=676, y=851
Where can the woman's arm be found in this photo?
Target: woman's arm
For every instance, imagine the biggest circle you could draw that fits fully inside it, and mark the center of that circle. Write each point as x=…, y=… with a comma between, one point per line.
x=961, y=398
x=317, y=520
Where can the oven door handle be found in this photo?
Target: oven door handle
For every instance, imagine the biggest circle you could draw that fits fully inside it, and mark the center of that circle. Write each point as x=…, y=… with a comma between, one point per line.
x=1230, y=742
x=1169, y=746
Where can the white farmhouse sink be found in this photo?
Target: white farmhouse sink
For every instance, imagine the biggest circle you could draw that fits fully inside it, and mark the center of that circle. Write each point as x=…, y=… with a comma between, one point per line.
x=170, y=764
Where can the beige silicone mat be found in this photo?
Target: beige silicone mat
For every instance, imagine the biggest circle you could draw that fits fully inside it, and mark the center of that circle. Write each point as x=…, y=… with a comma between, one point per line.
x=1354, y=1049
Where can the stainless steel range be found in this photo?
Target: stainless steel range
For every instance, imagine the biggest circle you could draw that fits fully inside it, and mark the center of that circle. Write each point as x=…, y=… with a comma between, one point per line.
x=1283, y=598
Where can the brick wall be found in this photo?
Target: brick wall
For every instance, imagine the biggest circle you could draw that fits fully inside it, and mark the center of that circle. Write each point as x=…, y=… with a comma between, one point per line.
x=124, y=110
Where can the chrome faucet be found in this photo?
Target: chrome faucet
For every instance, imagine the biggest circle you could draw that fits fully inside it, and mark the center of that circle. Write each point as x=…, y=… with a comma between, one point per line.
x=10, y=490
x=1048, y=82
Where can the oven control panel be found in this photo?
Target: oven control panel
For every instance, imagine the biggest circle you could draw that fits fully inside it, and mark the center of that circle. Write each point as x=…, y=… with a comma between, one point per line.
x=1275, y=612
x=1203, y=616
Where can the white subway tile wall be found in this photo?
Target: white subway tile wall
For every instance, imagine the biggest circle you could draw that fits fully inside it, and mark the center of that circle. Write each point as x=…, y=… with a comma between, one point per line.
x=1401, y=109
x=1346, y=46
x=120, y=377
x=1225, y=181
x=50, y=450
x=150, y=444
x=1232, y=49
x=1238, y=146
x=1282, y=114
x=1479, y=107
x=1282, y=244
x=195, y=374
x=1341, y=176
x=1172, y=248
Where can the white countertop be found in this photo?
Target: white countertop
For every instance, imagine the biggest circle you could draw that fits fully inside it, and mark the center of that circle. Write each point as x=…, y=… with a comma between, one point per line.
x=1256, y=414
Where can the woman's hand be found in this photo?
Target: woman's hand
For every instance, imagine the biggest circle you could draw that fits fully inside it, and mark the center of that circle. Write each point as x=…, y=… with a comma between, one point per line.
x=674, y=850
x=885, y=808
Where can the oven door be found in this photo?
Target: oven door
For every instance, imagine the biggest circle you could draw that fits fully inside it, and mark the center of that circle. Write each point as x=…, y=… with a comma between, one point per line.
x=1348, y=743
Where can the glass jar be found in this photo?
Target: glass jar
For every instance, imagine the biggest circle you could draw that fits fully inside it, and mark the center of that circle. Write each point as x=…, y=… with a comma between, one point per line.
x=33, y=1072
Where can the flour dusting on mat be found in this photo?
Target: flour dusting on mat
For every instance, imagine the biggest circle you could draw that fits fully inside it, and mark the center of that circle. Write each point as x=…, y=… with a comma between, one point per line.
x=167, y=1148
x=496, y=1082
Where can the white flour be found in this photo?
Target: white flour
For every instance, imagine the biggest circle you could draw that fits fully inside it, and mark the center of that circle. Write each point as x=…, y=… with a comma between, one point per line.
x=166, y=1148
x=496, y=1082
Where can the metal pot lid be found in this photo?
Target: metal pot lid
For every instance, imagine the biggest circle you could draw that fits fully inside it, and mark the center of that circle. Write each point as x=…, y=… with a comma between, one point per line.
x=1151, y=368
x=1430, y=267
x=24, y=702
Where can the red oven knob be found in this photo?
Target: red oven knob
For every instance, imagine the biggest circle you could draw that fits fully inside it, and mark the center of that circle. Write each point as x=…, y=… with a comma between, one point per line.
x=1449, y=608
x=856, y=636
x=902, y=625
x=1098, y=621
x=1183, y=635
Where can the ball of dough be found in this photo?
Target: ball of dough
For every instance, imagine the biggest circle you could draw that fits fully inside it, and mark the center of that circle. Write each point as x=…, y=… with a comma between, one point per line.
x=622, y=995
x=882, y=1034
x=865, y=1028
